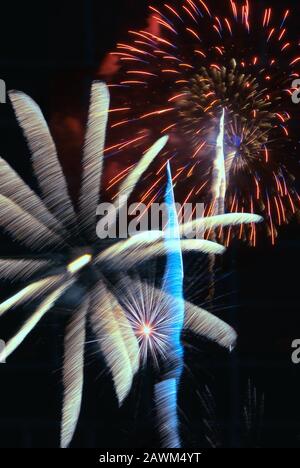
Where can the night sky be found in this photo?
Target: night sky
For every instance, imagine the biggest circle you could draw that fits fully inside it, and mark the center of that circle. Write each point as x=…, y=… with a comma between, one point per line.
x=52, y=51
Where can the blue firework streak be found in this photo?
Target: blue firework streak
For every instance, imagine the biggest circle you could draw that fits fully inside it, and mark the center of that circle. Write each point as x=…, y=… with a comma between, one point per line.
x=166, y=391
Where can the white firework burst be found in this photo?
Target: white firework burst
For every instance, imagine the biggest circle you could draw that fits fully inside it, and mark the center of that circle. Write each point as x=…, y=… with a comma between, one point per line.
x=63, y=255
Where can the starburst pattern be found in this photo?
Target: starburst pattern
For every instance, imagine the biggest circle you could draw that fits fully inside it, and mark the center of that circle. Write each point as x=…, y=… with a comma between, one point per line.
x=194, y=61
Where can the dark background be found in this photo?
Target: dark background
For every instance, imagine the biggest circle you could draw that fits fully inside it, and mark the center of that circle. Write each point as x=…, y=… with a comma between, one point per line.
x=52, y=51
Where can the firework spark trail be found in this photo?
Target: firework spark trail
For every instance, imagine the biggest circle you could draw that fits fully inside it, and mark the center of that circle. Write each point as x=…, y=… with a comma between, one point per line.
x=196, y=61
x=166, y=395
x=219, y=188
x=249, y=421
x=167, y=390
x=219, y=172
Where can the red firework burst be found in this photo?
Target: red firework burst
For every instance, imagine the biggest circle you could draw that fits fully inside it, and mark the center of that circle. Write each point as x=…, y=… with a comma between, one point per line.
x=179, y=74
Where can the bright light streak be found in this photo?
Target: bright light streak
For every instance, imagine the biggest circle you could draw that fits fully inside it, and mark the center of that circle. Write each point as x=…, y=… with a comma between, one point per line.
x=79, y=263
x=219, y=171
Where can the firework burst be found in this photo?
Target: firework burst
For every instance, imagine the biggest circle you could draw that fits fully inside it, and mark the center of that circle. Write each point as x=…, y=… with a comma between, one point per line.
x=191, y=64
x=148, y=311
x=67, y=263
x=64, y=254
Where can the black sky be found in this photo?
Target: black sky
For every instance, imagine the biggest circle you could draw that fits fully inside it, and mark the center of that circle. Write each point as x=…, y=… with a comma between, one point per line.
x=52, y=51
